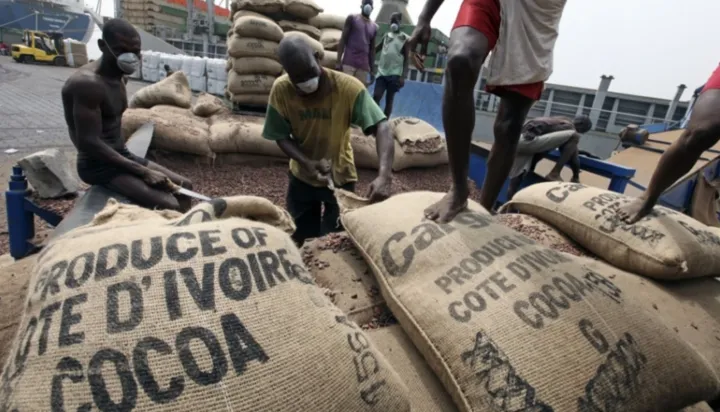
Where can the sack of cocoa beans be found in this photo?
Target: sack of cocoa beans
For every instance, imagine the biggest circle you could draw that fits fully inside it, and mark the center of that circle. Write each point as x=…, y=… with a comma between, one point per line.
x=330, y=39
x=364, y=149
x=211, y=311
x=328, y=21
x=236, y=134
x=251, y=47
x=311, y=31
x=256, y=65
x=257, y=27
x=417, y=144
x=173, y=90
x=208, y=105
x=541, y=233
x=428, y=393
x=504, y=321
x=665, y=244
x=174, y=131
x=302, y=9
x=249, y=83
x=259, y=6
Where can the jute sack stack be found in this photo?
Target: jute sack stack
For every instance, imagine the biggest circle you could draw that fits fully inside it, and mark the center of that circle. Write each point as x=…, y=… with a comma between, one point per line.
x=207, y=105
x=689, y=308
x=328, y=21
x=311, y=31
x=664, y=245
x=541, y=233
x=173, y=90
x=259, y=6
x=302, y=9
x=504, y=321
x=174, y=131
x=251, y=26
x=337, y=265
x=330, y=38
x=249, y=83
x=237, y=134
x=329, y=60
x=209, y=311
x=417, y=144
x=251, y=47
x=428, y=394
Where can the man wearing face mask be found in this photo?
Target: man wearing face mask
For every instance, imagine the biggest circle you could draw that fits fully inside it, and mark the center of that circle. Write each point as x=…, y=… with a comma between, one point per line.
x=356, y=51
x=393, y=64
x=94, y=99
x=309, y=114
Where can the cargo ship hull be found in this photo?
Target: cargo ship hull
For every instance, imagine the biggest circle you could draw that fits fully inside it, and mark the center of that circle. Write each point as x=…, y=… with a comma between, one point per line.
x=19, y=15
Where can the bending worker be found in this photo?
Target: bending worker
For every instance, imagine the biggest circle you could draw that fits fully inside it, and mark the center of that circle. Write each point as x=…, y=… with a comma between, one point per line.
x=94, y=99
x=542, y=135
x=309, y=114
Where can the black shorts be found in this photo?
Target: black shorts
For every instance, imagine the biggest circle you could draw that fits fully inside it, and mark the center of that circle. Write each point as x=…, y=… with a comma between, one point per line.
x=391, y=84
x=94, y=172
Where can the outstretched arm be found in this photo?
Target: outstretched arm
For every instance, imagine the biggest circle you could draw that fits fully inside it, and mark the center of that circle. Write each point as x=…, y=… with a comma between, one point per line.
x=88, y=129
x=385, y=147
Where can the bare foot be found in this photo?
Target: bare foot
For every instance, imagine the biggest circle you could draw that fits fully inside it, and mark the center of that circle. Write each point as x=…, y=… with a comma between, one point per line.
x=448, y=207
x=554, y=177
x=634, y=211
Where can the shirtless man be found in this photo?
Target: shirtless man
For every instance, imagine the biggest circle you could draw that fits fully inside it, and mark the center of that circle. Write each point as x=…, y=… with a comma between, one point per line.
x=520, y=64
x=702, y=133
x=94, y=99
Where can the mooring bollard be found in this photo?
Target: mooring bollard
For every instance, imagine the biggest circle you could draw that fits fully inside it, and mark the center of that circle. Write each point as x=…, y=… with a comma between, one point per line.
x=21, y=215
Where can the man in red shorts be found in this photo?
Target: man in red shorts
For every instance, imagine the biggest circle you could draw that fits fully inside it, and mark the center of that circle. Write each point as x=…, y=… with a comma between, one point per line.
x=702, y=132
x=520, y=64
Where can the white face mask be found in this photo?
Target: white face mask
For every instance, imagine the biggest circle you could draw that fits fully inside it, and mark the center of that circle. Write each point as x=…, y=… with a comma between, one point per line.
x=310, y=86
x=367, y=9
x=394, y=27
x=128, y=63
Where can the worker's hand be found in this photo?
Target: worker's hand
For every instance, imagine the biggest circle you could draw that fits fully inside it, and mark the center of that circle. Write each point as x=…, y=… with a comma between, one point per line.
x=379, y=189
x=154, y=178
x=420, y=37
x=320, y=168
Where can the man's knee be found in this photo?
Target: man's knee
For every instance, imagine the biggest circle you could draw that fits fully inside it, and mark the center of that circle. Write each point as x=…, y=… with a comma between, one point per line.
x=700, y=137
x=467, y=52
x=167, y=201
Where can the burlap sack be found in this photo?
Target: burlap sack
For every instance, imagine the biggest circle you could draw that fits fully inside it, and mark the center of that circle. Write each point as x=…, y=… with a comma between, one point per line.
x=173, y=90
x=330, y=38
x=16, y=278
x=182, y=133
x=207, y=105
x=317, y=47
x=116, y=213
x=257, y=27
x=328, y=21
x=250, y=99
x=228, y=64
x=337, y=265
x=364, y=150
x=698, y=407
x=428, y=394
x=242, y=13
x=403, y=160
x=207, y=312
x=250, y=47
x=416, y=135
x=311, y=31
x=257, y=65
x=302, y=9
x=249, y=83
x=541, y=233
x=237, y=135
x=329, y=60
x=665, y=245
x=504, y=321
x=260, y=6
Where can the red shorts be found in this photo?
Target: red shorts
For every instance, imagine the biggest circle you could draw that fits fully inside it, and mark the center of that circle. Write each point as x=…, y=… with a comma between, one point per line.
x=714, y=81
x=484, y=16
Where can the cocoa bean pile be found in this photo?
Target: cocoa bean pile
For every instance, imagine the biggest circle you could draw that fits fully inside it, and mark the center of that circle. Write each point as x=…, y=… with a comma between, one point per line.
x=542, y=233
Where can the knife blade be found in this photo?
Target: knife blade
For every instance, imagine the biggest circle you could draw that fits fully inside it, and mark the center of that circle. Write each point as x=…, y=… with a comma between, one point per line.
x=182, y=191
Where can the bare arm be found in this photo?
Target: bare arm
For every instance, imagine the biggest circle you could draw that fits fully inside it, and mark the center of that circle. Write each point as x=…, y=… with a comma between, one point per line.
x=88, y=128
x=292, y=150
x=385, y=147
x=343, y=39
x=428, y=12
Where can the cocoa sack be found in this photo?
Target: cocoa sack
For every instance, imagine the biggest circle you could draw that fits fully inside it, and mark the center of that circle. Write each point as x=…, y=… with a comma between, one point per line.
x=329, y=60
x=496, y=314
x=541, y=233
x=316, y=46
x=235, y=134
x=330, y=38
x=260, y=6
x=207, y=105
x=249, y=83
x=206, y=312
x=402, y=160
x=665, y=245
x=250, y=99
x=251, y=47
x=257, y=65
x=328, y=21
x=311, y=31
x=364, y=150
x=337, y=265
x=428, y=393
x=16, y=278
x=242, y=13
x=173, y=90
x=418, y=144
x=302, y=9
x=173, y=132
x=257, y=27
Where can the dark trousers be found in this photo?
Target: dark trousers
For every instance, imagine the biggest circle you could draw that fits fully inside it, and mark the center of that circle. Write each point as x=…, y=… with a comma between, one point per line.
x=314, y=209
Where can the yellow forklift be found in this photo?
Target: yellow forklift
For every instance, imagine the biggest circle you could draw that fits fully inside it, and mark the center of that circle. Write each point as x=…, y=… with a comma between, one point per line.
x=40, y=47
